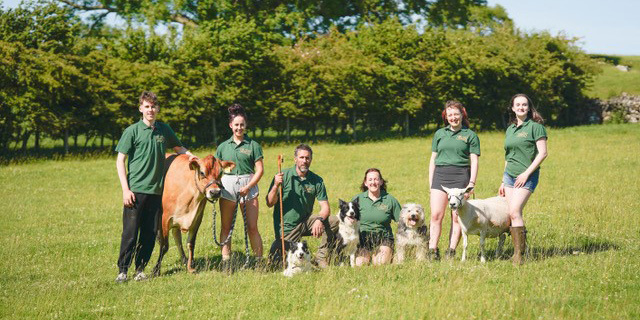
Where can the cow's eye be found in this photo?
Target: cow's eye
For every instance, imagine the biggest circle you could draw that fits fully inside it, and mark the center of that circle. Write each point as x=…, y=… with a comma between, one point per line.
x=202, y=174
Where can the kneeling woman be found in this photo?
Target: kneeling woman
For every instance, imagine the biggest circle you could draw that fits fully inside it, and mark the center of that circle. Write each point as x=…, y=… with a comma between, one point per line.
x=377, y=209
x=242, y=183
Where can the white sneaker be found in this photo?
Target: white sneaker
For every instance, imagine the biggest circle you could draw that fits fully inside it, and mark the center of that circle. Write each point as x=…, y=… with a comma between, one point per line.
x=140, y=276
x=122, y=277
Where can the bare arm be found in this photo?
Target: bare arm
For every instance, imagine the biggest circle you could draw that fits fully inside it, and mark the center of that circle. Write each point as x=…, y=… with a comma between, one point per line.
x=541, y=145
x=432, y=167
x=272, y=196
x=473, y=174
x=318, y=228
x=259, y=171
x=128, y=198
x=501, y=189
x=183, y=150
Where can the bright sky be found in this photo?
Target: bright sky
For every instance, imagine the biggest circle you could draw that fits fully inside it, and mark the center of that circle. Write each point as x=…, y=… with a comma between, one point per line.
x=606, y=27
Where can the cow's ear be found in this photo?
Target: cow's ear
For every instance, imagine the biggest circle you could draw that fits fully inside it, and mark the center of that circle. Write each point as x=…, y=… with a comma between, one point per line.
x=227, y=166
x=194, y=164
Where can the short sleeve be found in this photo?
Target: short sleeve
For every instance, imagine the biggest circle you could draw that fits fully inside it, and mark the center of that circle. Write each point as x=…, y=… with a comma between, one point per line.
x=126, y=142
x=321, y=193
x=474, y=144
x=539, y=132
x=434, y=143
x=396, y=210
x=257, y=151
x=172, y=139
x=218, y=154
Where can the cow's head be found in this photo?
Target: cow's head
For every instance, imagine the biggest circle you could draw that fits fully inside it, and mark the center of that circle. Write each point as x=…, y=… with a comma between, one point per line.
x=208, y=172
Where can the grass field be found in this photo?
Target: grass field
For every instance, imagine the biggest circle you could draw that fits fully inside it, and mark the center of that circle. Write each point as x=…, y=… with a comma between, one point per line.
x=612, y=82
x=62, y=224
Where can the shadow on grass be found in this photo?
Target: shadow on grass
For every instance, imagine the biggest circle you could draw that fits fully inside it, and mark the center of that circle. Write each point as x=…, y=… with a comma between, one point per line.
x=585, y=245
x=214, y=263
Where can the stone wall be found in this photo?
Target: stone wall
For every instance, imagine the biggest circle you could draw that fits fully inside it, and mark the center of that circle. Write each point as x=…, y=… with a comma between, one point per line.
x=625, y=108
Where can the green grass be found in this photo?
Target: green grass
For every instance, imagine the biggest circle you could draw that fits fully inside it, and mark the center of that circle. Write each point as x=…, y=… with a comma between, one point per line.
x=62, y=224
x=612, y=82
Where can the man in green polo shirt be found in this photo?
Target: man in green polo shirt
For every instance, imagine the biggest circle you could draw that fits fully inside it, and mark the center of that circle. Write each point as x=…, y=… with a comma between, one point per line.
x=300, y=189
x=144, y=144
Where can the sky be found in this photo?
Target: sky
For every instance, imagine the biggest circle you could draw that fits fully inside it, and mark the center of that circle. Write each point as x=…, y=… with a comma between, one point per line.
x=604, y=27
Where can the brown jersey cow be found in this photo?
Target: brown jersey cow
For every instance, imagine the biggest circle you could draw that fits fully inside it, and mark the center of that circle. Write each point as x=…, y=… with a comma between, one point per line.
x=187, y=186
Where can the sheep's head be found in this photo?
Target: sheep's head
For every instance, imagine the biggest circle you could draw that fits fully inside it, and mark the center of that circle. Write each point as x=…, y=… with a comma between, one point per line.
x=456, y=196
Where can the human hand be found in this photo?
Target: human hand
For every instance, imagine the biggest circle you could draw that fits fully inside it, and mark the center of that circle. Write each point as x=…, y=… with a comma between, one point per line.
x=472, y=191
x=128, y=198
x=501, y=190
x=317, y=229
x=243, y=191
x=277, y=179
x=521, y=180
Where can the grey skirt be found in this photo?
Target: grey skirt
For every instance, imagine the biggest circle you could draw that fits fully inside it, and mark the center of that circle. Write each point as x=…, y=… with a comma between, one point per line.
x=450, y=177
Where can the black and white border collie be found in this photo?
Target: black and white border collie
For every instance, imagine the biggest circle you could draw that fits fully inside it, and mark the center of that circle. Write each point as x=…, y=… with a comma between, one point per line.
x=298, y=258
x=349, y=229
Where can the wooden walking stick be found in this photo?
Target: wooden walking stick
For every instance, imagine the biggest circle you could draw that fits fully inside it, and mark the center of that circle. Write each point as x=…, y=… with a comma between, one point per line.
x=281, y=215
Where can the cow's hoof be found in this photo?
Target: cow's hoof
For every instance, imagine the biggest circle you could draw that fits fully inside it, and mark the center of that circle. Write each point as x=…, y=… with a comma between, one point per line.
x=156, y=272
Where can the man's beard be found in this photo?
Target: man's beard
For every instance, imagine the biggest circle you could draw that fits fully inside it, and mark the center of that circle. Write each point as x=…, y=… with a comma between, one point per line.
x=303, y=169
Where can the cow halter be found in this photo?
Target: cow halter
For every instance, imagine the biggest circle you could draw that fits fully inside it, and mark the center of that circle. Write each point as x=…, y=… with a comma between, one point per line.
x=213, y=180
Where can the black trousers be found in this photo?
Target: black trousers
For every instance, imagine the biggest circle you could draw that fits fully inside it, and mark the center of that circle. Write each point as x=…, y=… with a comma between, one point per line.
x=139, y=225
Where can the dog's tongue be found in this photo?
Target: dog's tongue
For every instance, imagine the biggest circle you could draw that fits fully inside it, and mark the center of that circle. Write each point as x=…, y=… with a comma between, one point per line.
x=412, y=222
x=352, y=219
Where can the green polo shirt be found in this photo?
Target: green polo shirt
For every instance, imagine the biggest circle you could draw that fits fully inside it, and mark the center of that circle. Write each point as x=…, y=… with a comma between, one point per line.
x=520, y=146
x=298, y=196
x=145, y=148
x=244, y=155
x=454, y=148
x=376, y=216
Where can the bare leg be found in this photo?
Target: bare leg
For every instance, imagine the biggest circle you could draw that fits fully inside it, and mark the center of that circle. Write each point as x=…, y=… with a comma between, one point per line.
x=383, y=256
x=438, y=205
x=252, y=221
x=226, y=216
x=363, y=257
x=454, y=233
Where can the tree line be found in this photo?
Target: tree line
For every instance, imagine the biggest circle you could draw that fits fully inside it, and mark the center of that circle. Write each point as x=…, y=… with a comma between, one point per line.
x=343, y=66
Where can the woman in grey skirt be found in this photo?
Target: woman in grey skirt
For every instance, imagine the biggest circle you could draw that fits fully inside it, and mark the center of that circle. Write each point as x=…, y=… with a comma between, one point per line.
x=242, y=182
x=454, y=164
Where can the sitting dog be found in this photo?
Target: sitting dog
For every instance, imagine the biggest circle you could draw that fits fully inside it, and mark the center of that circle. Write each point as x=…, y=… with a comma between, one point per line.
x=349, y=230
x=298, y=258
x=411, y=232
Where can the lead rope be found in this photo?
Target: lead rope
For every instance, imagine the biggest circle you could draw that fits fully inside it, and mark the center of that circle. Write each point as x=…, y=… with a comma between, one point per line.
x=233, y=224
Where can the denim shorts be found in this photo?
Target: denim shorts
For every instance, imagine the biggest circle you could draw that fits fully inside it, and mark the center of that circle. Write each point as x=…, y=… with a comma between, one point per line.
x=233, y=183
x=531, y=183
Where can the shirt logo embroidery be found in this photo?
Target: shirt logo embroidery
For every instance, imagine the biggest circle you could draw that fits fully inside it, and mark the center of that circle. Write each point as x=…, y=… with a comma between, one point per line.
x=382, y=207
x=159, y=139
x=310, y=189
x=245, y=151
x=522, y=135
x=462, y=138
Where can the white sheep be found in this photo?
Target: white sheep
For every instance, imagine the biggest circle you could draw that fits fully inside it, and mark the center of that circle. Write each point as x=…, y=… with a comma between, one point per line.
x=484, y=217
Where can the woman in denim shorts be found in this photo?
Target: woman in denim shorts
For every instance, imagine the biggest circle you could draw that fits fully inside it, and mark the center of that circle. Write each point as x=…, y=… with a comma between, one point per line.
x=242, y=183
x=525, y=148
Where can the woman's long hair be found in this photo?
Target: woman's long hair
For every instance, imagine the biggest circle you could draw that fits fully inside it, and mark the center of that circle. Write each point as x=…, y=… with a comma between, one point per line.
x=458, y=105
x=532, y=114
